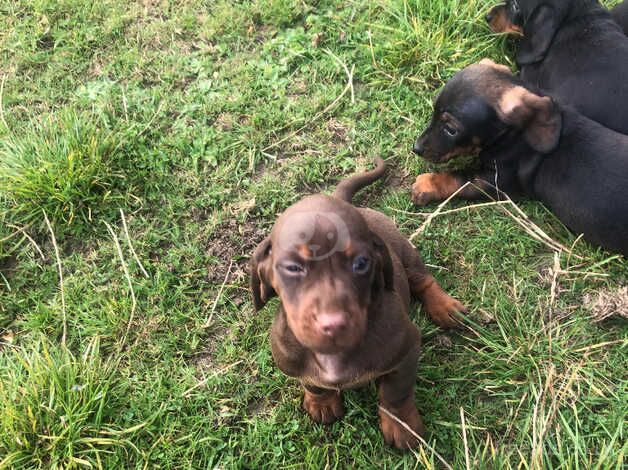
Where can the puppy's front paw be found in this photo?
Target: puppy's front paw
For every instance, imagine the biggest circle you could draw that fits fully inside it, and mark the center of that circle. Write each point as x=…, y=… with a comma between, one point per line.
x=424, y=190
x=325, y=407
x=442, y=308
x=397, y=435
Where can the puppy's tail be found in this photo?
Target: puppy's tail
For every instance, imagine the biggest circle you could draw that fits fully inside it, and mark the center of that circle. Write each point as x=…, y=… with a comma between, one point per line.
x=346, y=189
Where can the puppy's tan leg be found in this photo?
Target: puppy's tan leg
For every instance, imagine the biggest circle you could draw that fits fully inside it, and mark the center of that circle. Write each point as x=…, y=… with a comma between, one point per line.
x=433, y=187
x=396, y=397
x=323, y=406
x=442, y=308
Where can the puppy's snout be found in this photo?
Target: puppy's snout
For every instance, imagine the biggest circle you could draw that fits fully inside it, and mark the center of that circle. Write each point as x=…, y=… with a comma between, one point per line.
x=490, y=16
x=332, y=323
x=418, y=147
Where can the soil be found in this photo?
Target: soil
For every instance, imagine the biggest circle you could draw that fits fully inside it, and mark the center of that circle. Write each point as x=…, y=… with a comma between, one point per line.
x=607, y=304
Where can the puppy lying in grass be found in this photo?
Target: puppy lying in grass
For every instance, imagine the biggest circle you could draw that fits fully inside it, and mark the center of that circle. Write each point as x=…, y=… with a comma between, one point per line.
x=530, y=146
x=344, y=276
x=574, y=51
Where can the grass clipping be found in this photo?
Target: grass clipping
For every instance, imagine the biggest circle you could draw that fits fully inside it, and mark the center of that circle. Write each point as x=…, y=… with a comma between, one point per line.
x=608, y=304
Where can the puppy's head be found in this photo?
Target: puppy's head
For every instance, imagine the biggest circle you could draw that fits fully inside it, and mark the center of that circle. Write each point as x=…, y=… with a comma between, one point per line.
x=536, y=20
x=480, y=104
x=327, y=268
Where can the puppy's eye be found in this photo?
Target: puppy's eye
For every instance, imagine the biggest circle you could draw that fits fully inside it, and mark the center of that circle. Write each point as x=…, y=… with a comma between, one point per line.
x=361, y=265
x=294, y=268
x=450, y=130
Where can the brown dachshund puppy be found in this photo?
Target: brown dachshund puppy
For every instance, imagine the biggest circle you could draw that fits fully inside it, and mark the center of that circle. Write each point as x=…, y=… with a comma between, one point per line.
x=344, y=276
x=528, y=145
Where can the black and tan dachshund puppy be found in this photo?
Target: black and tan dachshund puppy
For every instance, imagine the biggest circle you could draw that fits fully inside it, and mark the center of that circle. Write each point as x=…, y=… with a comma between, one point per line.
x=528, y=146
x=620, y=15
x=574, y=51
x=345, y=276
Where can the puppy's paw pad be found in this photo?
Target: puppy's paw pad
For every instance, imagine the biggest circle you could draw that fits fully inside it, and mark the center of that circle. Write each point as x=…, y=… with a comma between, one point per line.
x=424, y=190
x=397, y=435
x=325, y=408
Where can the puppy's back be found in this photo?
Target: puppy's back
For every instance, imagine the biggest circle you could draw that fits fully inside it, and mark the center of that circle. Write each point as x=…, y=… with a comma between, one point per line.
x=620, y=15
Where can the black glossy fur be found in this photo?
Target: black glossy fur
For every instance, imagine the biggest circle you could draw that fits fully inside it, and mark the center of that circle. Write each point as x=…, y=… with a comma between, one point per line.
x=574, y=51
x=537, y=149
x=620, y=15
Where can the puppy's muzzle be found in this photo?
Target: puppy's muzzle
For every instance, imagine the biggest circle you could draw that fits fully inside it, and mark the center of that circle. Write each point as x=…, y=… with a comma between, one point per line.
x=332, y=324
x=418, y=148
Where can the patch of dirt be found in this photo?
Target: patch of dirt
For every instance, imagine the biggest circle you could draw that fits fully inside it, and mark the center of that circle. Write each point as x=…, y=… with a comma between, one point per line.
x=261, y=32
x=443, y=341
x=397, y=177
x=145, y=328
x=233, y=241
x=95, y=68
x=8, y=264
x=558, y=315
x=607, y=304
x=297, y=88
x=7, y=338
x=264, y=405
x=337, y=130
x=224, y=122
x=184, y=82
x=484, y=317
x=154, y=8
x=317, y=38
x=45, y=41
x=205, y=360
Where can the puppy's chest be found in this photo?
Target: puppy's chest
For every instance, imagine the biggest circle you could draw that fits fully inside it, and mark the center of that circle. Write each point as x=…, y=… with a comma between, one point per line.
x=336, y=372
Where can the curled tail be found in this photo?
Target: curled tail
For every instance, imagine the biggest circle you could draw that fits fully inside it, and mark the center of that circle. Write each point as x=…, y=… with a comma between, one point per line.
x=347, y=188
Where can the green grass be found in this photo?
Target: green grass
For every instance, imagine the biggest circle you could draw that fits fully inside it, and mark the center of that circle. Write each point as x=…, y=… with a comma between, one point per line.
x=60, y=167
x=80, y=397
x=202, y=120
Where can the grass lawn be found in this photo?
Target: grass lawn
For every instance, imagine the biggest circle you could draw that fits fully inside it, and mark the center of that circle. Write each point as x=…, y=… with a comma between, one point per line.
x=161, y=139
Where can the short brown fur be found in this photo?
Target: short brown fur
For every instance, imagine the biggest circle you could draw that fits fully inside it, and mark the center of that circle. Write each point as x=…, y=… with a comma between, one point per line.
x=372, y=337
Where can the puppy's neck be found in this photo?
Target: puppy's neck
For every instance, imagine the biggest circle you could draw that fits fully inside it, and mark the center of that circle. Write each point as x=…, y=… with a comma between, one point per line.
x=507, y=147
x=332, y=367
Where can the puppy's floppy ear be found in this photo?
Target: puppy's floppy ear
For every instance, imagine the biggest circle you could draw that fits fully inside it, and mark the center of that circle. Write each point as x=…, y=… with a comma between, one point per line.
x=384, y=275
x=261, y=288
x=537, y=116
x=538, y=33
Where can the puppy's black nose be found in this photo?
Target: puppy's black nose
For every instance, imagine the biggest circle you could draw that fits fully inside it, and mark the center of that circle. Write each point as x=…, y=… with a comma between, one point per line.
x=418, y=147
